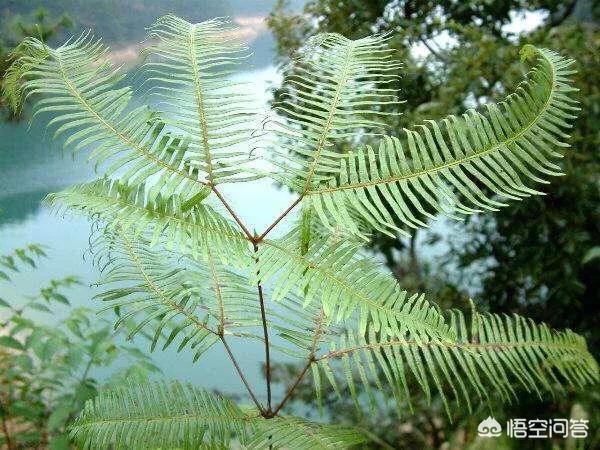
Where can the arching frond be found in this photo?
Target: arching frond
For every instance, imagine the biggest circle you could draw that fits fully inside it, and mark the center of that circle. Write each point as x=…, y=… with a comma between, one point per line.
x=189, y=71
x=331, y=274
x=193, y=230
x=334, y=89
x=497, y=355
x=190, y=303
x=78, y=86
x=159, y=415
x=462, y=165
x=300, y=434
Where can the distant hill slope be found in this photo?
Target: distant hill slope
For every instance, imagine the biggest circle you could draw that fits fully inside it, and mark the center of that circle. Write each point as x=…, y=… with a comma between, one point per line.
x=122, y=23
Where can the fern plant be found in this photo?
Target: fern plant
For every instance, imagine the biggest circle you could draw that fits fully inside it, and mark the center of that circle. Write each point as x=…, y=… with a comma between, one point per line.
x=179, y=260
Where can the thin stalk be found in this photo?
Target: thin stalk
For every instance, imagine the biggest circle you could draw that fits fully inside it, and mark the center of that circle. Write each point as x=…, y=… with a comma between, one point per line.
x=311, y=359
x=263, y=317
x=278, y=219
x=293, y=387
x=242, y=376
x=267, y=351
x=9, y=444
x=256, y=239
x=233, y=214
x=433, y=51
x=86, y=371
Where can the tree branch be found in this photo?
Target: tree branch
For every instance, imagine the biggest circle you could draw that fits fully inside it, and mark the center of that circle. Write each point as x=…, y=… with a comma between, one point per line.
x=86, y=371
x=433, y=51
x=4, y=411
x=559, y=19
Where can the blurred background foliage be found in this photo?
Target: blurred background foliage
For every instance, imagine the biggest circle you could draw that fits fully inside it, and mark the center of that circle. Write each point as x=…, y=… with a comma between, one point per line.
x=47, y=372
x=17, y=27
x=539, y=257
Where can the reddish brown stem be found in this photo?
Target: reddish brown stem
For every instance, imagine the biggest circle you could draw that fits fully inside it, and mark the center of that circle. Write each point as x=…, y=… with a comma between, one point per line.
x=263, y=317
x=278, y=219
x=241, y=374
x=268, y=412
x=311, y=359
x=233, y=214
x=293, y=387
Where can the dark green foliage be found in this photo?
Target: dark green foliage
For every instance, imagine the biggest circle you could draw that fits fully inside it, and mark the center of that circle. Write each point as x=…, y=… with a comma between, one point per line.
x=42, y=25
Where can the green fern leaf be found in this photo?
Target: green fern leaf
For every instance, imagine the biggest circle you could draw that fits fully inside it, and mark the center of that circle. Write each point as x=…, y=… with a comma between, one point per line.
x=331, y=274
x=330, y=95
x=129, y=208
x=462, y=165
x=189, y=68
x=303, y=326
x=300, y=434
x=159, y=415
x=194, y=302
x=496, y=356
x=12, y=89
x=77, y=84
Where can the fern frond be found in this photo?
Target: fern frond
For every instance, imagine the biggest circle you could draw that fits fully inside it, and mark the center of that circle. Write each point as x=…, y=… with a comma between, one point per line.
x=12, y=89
x=190, y=231
x=331, y=274
x=462, y=165
x=333, y=90
x=300, y=434
x=77, y=84
x=189, y=70
x=195, y=303
x=497, y=355
x=159, y=415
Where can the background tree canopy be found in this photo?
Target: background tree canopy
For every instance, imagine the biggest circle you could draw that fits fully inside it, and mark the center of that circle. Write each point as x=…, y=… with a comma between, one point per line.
x=538, y=258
